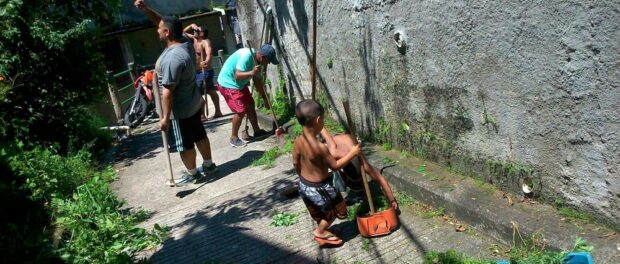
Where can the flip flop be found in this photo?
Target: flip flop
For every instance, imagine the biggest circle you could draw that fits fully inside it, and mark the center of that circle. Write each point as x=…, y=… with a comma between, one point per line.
x=330, y=239
x=334, y=230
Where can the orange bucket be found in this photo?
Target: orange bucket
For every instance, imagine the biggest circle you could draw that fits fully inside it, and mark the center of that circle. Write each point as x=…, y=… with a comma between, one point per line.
x=378, y=224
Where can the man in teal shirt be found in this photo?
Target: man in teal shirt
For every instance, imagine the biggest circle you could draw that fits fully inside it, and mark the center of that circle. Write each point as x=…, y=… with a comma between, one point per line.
x=233, y=81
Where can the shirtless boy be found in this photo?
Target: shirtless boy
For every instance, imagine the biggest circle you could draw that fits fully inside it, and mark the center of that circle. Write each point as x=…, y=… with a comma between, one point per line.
x=312, y=161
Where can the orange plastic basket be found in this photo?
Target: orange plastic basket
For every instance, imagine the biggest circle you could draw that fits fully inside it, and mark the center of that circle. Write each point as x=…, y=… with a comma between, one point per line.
x=378, y=224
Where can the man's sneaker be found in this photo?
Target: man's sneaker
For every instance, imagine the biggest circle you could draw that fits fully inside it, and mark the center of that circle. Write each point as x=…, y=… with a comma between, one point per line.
x=209, y=169
x=186, y=178
x=237, y=143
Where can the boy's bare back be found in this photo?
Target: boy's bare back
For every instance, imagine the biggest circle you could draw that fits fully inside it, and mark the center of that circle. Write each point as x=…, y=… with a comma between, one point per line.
x=309, y=158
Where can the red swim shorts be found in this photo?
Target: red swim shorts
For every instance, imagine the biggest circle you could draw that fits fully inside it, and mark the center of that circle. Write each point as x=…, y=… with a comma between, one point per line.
x=237, y=100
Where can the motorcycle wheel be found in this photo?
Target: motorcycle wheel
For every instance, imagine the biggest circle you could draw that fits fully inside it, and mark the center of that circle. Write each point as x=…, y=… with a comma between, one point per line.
x=135, y=117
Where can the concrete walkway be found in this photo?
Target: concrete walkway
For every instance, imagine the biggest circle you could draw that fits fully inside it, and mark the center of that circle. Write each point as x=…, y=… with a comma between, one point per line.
x=227, y=218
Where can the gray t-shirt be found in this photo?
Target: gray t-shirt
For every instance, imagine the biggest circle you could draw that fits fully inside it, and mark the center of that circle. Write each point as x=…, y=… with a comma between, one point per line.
x=176, y=66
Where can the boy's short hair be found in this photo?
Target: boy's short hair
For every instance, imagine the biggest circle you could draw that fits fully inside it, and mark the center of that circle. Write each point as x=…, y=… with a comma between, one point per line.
x=307, y=110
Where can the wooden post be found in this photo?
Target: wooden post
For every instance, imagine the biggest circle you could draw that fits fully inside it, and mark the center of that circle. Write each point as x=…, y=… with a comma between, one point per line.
x=113, y=91
x=314, y=50
x=164, y=134
x=132, y=71
x=347, y=112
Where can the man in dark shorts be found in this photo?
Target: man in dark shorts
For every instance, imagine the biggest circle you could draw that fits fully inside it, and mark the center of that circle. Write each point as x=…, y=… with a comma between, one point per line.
x=176, y=67
x=233, y=81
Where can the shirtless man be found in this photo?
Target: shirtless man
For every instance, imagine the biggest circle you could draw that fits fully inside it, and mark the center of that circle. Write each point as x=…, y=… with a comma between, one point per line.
x=205, y=72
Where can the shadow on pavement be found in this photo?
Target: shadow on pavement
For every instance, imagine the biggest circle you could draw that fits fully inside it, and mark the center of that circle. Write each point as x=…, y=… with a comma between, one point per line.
x=232, y=231
x=225, y=169
x=140, y=146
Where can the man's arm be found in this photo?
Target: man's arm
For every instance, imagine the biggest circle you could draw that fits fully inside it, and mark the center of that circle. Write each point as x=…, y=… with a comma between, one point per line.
x=241, y=75
x=338, y=164
x=331, y=144
x=166, y=104
x=385, y=186
x=148, y=11
x=190, y=29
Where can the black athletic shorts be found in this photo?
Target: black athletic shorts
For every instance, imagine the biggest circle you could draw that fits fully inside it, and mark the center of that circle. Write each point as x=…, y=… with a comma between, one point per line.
x=183, y=133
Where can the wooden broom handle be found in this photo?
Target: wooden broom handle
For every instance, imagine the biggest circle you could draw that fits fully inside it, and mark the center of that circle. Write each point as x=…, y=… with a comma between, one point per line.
x=347, y=112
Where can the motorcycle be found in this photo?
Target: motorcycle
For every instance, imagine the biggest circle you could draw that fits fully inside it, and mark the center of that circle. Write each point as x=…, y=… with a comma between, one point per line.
x=143, y=101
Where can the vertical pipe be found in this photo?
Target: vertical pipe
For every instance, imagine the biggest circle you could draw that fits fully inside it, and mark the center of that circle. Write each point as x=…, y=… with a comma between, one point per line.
x=314, y=50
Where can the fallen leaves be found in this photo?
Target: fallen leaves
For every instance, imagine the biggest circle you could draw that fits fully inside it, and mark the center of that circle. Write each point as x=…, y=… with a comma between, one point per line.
x=461, y=228
x=609, y=236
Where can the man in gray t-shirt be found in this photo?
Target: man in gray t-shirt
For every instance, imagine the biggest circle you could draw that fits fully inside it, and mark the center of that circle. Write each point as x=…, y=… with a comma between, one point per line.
x=176, y=68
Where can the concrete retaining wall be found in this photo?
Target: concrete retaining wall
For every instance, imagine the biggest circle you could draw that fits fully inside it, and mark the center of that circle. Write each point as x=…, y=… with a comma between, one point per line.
x=512, y=92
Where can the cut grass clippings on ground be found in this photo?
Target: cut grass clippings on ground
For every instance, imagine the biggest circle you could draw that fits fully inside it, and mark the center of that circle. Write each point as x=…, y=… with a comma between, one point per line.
x=284, y=218
x=268, y=159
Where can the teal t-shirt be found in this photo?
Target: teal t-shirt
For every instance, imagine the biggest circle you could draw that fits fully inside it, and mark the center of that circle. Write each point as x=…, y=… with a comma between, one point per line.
x=240, y=60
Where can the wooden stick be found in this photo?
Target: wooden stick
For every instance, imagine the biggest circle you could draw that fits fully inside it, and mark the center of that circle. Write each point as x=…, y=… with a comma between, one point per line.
x=164, y=134
x=314, y=50
x=113, y=90
x=347, y=112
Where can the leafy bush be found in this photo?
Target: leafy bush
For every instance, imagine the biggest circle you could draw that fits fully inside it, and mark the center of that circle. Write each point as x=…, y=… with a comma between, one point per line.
x=95, y=228
x=48, y=175
x=50, y=67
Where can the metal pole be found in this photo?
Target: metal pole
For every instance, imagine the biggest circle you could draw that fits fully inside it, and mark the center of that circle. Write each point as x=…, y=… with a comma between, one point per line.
x=314, y=50
x=164, y=134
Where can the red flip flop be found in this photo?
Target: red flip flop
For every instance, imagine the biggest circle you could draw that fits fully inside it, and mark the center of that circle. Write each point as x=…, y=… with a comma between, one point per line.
x=330, y=239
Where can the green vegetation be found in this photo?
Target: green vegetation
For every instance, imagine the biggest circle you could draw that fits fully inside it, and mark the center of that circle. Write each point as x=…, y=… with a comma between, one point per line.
x=284, y=218
x=383, y=132
x=297, y=128
x=62, y=208
x=403, y=199
x=389, y=161
x=281, y=103
x=268, y=158
x=422, y=168
x=526, y=253
x=574, y=214
x=451, y=257
x=484, y=186
x=387, y=146
x=87, y=216
x=330, y=62
x=334, y=126
x=366, y=244
x=433, y=212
